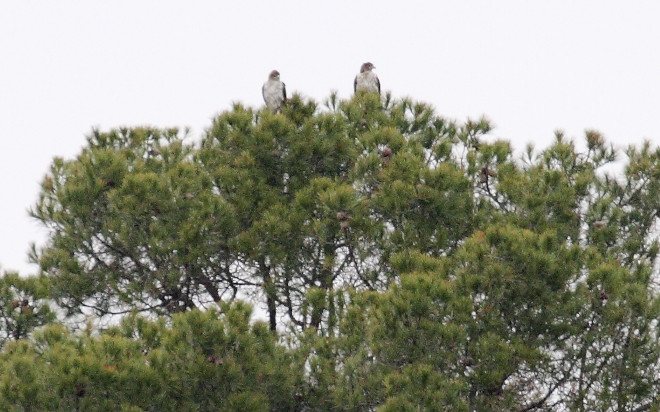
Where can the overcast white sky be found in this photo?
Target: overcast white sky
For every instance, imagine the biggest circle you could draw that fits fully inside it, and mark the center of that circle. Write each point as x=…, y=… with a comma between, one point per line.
x=529, y=66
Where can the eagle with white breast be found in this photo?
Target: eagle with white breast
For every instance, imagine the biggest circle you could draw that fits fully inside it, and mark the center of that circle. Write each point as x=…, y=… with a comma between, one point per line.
x=274, y=92
x=366, y=80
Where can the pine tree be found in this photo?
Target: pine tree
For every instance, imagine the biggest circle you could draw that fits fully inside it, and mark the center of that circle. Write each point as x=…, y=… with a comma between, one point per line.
x=409, y=262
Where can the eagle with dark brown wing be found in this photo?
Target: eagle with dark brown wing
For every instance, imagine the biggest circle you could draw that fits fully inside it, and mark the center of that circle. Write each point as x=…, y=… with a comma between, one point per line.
x=274, y=92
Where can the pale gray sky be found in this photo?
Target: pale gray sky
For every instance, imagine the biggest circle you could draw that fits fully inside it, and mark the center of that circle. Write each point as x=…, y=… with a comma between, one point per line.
x=529, y=66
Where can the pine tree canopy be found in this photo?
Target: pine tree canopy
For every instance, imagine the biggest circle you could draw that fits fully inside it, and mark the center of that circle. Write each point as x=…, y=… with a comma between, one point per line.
x=360, y=255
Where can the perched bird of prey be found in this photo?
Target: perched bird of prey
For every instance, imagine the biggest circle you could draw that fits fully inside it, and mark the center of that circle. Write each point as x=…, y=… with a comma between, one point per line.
x=274, y=92
x=366, y=80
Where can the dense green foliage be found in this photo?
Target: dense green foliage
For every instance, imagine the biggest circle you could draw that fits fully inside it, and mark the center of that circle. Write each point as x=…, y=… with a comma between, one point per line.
x=22, y=306
x=401, y=261
x=199, y=363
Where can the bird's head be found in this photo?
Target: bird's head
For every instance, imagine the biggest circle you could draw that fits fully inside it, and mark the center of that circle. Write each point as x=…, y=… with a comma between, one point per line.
x=274, y=75
x=367, y=67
